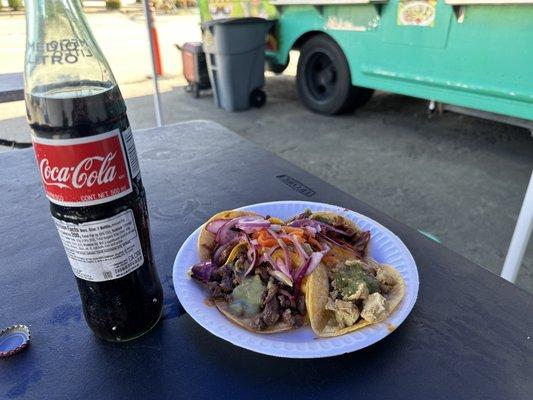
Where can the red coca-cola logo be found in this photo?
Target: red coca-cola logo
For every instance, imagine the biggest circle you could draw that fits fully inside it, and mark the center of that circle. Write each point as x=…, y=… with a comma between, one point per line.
x=83, y=171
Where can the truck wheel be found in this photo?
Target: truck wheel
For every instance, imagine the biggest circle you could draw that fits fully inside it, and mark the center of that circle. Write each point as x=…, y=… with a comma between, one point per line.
x=323, y=79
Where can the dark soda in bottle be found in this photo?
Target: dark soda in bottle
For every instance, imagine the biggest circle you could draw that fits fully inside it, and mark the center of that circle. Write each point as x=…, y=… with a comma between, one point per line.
x=90, y=172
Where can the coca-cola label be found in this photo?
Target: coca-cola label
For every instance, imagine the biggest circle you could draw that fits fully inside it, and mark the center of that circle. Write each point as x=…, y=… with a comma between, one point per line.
x=86, y=171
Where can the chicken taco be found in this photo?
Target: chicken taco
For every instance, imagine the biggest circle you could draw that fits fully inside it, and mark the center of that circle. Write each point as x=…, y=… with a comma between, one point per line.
x=254, y=268
x=352, y=295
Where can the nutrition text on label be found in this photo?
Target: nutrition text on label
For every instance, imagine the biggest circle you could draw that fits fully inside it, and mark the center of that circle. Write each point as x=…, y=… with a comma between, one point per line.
x=102, y=250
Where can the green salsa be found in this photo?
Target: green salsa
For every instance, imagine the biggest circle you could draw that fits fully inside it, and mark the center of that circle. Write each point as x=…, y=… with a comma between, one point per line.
x=348, y=277
x=247, y=297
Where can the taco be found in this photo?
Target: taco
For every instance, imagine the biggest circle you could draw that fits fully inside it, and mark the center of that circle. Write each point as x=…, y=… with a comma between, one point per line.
x=349, y=289
x=254, y=268
x=352, y=295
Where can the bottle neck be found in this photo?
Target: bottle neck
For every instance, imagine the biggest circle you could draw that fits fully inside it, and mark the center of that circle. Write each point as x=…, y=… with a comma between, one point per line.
x=68, y=81
x=45, y=18
x=60, y=47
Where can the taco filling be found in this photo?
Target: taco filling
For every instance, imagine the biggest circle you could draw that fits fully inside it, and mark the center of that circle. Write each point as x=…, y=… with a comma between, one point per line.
x=254, y=268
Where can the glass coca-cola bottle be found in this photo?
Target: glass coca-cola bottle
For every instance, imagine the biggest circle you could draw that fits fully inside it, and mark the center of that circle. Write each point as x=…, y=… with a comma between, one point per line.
x=90, y=172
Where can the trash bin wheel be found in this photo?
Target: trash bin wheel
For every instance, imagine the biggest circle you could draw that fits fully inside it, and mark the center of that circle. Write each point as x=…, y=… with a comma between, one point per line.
x=324, y=81
x=257, y=98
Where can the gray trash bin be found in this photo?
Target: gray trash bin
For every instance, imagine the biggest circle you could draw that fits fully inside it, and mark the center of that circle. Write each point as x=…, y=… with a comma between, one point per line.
x=235, y=52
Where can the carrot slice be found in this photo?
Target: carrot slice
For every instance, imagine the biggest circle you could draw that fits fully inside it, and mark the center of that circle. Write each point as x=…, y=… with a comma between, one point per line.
x=264, y=239
x=293, y=230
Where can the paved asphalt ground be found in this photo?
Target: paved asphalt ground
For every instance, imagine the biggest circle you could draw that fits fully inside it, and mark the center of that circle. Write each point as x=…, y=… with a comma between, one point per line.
x=458, y=178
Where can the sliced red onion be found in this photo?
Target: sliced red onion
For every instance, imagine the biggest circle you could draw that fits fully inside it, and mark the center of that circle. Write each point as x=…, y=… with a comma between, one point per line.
x=284, y=248
x=272, y=250
x=252, y=225
x=267, y=255
x=302, y=222
x=282, y=277
x=301, y=252
x=202, y=271
x=319, y=225
x=339, y=244
x=268, y=258
x=215, y=225
x=309, y=266
x=312, y=231
x=220, y=249
x=316, y=257
x=225, y=233
x=281, y=266
x=275, y=227
x=252, y=256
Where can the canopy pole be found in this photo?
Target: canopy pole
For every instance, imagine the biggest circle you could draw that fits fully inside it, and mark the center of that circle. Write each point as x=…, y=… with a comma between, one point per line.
x=521, y=235
x=149, y=26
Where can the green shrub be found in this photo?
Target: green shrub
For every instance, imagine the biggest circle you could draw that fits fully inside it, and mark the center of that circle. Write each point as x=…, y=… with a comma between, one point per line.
x=112, y=4
x=15, y=4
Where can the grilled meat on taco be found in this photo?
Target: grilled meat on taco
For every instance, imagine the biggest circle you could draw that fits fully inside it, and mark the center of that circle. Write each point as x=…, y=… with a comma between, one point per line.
x=254, y=268
x=345, y=238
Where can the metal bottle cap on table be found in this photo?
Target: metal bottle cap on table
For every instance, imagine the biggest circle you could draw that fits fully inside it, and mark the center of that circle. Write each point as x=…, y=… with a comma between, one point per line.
x=14, y=339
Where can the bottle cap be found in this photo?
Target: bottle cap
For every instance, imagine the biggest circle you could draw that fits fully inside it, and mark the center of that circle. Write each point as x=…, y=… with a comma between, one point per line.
x=14, y=339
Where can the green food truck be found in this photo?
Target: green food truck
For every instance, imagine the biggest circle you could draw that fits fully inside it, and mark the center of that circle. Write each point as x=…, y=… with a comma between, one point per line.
x=469, y=53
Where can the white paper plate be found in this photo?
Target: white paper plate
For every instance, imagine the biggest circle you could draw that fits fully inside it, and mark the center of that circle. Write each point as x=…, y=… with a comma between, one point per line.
x=385, y=247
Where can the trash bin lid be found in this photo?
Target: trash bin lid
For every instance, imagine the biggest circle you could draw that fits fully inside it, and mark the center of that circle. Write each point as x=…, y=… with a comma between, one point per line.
x=246, y=20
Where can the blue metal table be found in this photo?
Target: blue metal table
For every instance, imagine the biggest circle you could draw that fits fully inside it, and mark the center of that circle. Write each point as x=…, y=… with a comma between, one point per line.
x=468, y=337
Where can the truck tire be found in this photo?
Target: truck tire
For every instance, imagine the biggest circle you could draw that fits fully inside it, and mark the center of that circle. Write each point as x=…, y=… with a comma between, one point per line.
x=323, y=79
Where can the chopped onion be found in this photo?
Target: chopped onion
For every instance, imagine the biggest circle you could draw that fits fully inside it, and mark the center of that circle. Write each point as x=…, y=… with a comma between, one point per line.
x=277, y=266
x=252, y=225
x=220, y=249
x=319, y=225
x=280, y=276
x=309, y=266
x=275, y=227
x=283, y=267
x=252, y=256
x=312, y=231
x=303, y=255
x=225, y=233
x=338, y=244
x=215, y=225
x=284, y=248
x=202, y=271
